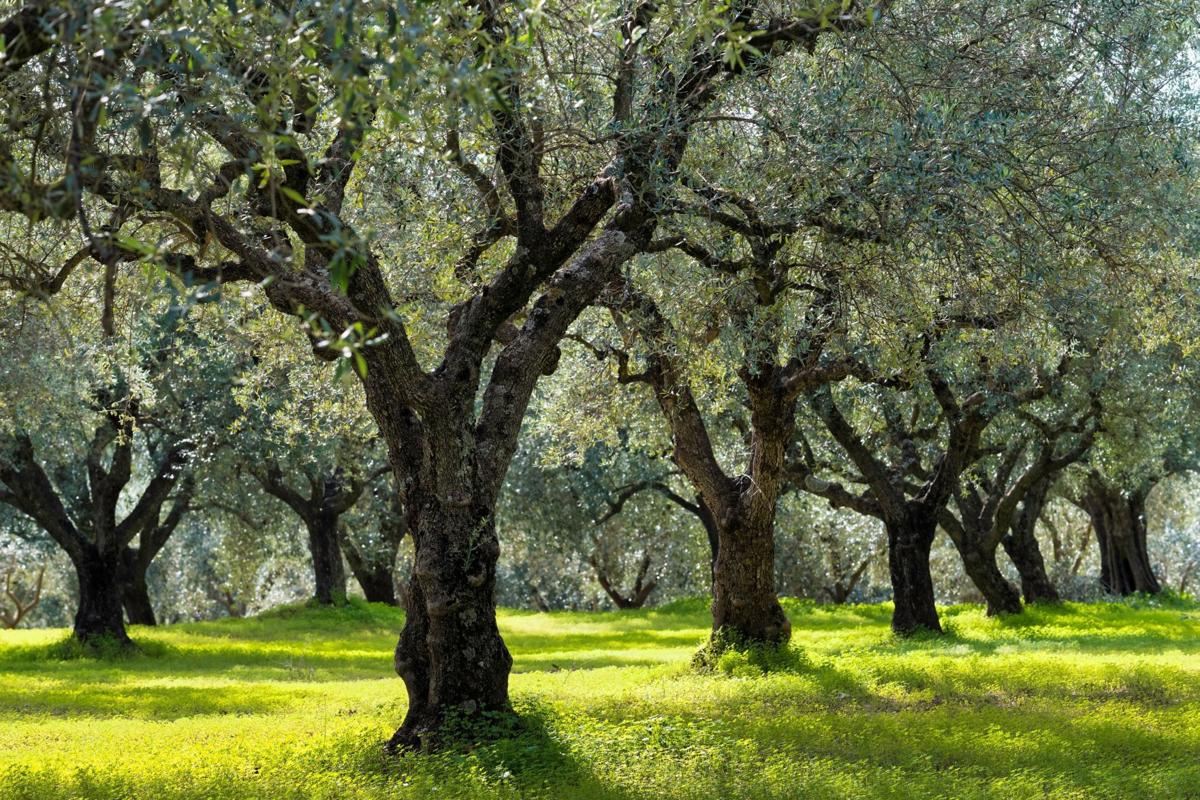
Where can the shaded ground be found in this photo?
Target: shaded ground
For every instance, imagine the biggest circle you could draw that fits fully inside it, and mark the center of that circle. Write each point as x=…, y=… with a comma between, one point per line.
x=1075, y=702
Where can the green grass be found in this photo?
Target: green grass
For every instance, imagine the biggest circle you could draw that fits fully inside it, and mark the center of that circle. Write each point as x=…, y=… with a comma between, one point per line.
x=1098, y=701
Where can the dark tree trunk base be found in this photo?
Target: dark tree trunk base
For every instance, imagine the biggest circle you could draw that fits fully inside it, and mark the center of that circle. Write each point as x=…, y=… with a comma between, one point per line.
x=138, y=609
x=450, y=654
x=1036, y=586
x=378, y=587
x=100, y=618
x=1120, y=524
x=328, y=573
x=745, y=609
x=909, y=544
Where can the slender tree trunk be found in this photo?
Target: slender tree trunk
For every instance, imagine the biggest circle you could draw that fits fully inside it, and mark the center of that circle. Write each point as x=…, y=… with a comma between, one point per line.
x=744, y=607
x=980, y=566
x=135, y=595
x=1021, y=544
x=450, y=653
x=100, y=608
x=1120, y=524
x=328, y=573
x=909, y=542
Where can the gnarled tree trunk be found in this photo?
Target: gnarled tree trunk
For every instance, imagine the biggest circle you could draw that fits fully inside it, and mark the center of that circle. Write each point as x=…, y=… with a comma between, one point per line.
x=99, y=615
x=375, y=578
x=977, y=542
x=450, y=653
x=745, y=608
x=1119, y=520
x=1000, y=595
x=909, y=543
x=99, y=546
x=1021, y=544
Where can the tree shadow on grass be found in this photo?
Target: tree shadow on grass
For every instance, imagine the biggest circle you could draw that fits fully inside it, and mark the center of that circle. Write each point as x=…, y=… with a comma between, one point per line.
x=568, y=662
x=69, y=698
x=529, y=760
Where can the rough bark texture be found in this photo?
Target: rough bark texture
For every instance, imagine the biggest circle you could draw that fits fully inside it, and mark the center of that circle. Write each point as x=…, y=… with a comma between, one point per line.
x=745, y=608
x=909, y=543
x=1022, y=547
x=711, y=533
x=740, y=511
x=449, y=444
x=1119, y=519
x=450, y=653
x=100, y=613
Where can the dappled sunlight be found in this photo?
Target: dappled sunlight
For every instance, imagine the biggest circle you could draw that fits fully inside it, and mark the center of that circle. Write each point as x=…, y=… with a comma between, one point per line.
x=1066, y=702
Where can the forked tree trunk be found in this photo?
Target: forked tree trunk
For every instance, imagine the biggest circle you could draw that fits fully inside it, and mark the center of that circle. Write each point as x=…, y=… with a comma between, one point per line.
x=135, y=595
x=745, y=609
x=450, y=653
x=1120, y=524
x=637, y=596
x=909, y=543
x=1021, y=544
x=100, y=614
x=329, y=575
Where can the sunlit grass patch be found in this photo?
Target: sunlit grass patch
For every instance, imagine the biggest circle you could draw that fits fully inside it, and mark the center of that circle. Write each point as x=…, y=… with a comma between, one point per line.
x=1072, y=701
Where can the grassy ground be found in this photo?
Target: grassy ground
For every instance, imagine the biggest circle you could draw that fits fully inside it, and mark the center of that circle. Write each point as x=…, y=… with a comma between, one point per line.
x=1076, y=702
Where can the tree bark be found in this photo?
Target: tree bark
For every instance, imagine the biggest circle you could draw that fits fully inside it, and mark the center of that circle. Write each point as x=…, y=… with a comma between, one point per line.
x=99, y=558
x=1119, y=520
x=714, y=536
x=980, y=565
x=99, y=616
x=909, y=543
x=377, y=583
x=450, y=653
x=975, y=534
x=1020, y=542
x=135, y=595
x=329, y=575
x=745, y=608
